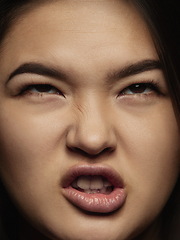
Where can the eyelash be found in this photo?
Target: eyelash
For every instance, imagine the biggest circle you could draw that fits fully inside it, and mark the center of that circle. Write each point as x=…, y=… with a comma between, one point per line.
x=151, y=84
x=28, y=89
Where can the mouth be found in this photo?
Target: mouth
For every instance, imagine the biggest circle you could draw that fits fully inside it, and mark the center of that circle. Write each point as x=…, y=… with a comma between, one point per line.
x=92, y=184
x=94, y=188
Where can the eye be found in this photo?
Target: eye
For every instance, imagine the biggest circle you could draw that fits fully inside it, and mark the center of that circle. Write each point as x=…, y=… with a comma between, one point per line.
x=140, y=88
x=41, y=88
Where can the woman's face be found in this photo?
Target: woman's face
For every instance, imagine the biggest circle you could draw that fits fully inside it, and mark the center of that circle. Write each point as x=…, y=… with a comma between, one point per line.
x=89, y=140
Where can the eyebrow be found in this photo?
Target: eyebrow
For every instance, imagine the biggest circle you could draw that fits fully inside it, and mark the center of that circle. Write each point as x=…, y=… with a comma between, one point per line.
x=132, y=69
x=39, y=69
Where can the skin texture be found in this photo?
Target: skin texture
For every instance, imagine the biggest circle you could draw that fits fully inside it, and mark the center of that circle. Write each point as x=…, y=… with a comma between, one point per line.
x=42, y=135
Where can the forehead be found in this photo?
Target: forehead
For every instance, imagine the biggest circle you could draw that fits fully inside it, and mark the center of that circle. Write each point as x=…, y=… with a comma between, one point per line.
x=87, y=29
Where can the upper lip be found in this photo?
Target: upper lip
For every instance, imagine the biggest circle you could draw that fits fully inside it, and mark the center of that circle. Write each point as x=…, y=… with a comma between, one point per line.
x=92, y=169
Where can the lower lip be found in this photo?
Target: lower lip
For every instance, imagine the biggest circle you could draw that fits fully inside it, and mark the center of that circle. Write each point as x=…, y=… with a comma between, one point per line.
x=99, y=203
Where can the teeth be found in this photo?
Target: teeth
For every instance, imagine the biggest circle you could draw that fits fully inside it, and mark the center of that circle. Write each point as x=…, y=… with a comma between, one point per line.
x=103, y=190
x=74, y=184
x=96, y=182
x=107, y=183
x=84, y=182
x=93, y=184
x=88, y=191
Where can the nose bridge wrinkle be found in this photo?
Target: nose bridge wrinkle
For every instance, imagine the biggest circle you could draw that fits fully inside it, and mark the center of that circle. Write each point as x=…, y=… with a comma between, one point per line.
x=92, y=133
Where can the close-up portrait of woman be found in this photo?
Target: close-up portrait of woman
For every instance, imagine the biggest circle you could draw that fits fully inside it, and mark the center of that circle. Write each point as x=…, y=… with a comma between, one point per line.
x=89, y=120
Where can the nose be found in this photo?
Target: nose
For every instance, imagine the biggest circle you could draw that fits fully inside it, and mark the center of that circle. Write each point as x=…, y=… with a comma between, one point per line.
x=92, y=133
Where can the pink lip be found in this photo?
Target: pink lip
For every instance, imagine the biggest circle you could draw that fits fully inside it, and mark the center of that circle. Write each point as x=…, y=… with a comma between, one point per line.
x=99, y=203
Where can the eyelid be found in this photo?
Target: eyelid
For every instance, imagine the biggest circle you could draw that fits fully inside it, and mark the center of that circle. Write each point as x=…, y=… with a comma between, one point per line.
x=150, y=83
x=36, y=86
x=28, y=89
x=21, y=83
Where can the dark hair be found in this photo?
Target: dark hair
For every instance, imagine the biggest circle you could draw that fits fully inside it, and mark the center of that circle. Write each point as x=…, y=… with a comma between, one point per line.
x=162, y=18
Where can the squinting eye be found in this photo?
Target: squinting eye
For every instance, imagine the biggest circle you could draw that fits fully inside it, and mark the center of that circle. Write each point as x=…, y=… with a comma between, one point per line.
x=42, y=88
x=140, y=88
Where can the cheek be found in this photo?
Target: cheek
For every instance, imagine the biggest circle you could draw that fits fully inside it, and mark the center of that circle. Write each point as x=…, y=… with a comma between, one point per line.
x=151, y=151
x=29, y=145
x=150, y=140
x=154, y=147
x=32, y=154
x=148, y=159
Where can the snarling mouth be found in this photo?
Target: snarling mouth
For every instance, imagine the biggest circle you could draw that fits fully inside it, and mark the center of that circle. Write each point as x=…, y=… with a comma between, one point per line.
x=94, y=188
x=92, y=184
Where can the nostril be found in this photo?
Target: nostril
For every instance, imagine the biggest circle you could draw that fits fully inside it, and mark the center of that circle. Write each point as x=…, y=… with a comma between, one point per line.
x=91, y=141
x=91, y=154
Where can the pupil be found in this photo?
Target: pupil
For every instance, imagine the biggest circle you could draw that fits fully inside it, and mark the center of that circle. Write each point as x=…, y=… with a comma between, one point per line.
x=43, y=88
x=138, y=88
